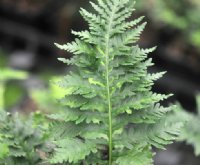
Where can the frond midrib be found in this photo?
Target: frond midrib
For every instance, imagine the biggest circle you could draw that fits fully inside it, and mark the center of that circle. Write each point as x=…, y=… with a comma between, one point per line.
x=108, y=82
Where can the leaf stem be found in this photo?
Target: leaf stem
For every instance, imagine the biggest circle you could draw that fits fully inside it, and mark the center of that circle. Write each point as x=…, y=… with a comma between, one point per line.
x=108, y=85
x=109, y=116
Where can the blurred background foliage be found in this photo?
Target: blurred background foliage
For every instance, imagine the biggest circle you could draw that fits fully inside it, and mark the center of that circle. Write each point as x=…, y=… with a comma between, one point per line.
x=28, y=58
x=191, y=131
x=10, y=94
x=182, y=15
x=22, y=142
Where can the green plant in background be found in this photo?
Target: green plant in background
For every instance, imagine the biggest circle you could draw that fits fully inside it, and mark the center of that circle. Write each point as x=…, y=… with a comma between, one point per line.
x=22, y=141
x=182, y=14
x=46, y=98
x=110, y=114
x=7, y=74
x=191, y=131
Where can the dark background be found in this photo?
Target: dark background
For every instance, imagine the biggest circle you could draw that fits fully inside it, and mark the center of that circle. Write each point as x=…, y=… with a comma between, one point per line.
x=28, y=29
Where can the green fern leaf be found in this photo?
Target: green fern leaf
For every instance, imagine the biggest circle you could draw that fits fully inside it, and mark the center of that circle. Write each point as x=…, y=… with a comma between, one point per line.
x=108, y=108
x=20, y=141
x=72, y=150
x=190, y=132
x=138, y=156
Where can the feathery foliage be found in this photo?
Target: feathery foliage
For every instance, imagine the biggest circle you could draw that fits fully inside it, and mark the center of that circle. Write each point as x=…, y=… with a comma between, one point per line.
x=110, y=114
x=191, y=132
x=22, y=142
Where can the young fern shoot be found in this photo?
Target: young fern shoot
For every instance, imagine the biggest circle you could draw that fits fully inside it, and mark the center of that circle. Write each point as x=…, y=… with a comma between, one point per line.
x=110, y=114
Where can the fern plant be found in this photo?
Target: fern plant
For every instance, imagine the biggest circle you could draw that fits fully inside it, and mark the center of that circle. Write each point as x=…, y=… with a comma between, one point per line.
x=110, y=114
x=190, y=133
x=22, y=142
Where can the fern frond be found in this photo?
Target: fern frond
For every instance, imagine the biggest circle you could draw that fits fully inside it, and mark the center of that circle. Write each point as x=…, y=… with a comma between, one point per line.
x=109, y=107
x=72, y=150
x=190, y=132
x=137, y=156
x=22, y=140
